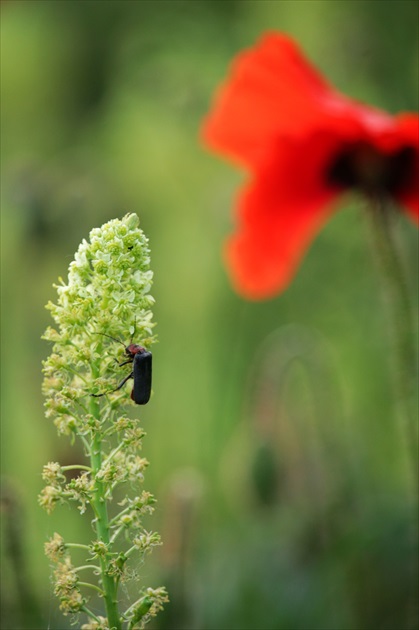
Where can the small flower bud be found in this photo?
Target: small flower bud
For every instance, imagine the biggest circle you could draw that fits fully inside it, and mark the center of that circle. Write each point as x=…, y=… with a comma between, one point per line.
x=49, y=497
x=52, y=474
x=98, y=549
x=55, y=548
x=145, y=542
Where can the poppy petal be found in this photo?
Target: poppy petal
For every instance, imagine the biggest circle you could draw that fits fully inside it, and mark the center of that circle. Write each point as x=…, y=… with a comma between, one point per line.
x=279, y=213
x=273, y=91
x=271, y=88
x=304, y=143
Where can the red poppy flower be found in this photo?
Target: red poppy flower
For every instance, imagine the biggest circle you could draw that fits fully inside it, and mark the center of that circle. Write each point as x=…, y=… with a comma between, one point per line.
x=304, y=145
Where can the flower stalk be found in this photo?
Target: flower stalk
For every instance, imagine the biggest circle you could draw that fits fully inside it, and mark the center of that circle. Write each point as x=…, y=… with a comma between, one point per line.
x=106, y=299
x=400, y=318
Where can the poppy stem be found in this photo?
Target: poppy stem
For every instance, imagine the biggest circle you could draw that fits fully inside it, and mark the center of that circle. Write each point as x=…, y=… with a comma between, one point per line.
x=400, y=316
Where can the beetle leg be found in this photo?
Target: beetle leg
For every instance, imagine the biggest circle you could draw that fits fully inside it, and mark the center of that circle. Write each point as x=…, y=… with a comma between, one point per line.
x=124, y=362
x=121, y=384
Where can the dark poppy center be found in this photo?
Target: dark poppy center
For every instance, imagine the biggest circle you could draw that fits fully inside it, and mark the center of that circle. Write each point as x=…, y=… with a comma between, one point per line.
x=364, y=167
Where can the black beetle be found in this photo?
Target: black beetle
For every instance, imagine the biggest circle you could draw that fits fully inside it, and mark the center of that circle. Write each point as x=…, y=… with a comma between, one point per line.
x=141, y=360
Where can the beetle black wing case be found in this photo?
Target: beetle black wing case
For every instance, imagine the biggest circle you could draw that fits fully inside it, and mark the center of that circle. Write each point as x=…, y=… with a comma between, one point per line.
x=142, y=377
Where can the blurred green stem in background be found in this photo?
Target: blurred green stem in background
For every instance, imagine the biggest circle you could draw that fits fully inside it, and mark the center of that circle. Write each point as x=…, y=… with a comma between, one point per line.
x=400, y=317
x=403, y=344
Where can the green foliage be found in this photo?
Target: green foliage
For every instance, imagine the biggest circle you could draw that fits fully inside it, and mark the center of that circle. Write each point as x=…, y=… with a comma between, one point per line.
x=101, y=106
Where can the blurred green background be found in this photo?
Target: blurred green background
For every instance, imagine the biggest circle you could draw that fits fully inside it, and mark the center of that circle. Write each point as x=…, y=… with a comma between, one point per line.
x=274, y=451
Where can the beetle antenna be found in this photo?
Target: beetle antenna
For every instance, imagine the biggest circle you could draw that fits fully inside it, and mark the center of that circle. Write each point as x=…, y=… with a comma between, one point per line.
x=135, y=328
x=110, y=337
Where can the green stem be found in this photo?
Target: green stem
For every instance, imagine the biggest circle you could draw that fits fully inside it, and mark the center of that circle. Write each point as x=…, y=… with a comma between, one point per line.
x=86, y=444
x=396, y=293
x=114, y=452
x=400, y=317
x=88, y=566
x=92, y=586
x=131, y=550
x=116, y=533
x=77, y=546
x=76, y=467
x=118, y=516
x=102, y=528
x=90, y=614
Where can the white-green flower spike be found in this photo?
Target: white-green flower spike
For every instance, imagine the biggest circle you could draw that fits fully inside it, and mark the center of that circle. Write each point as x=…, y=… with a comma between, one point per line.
x=105, y=302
